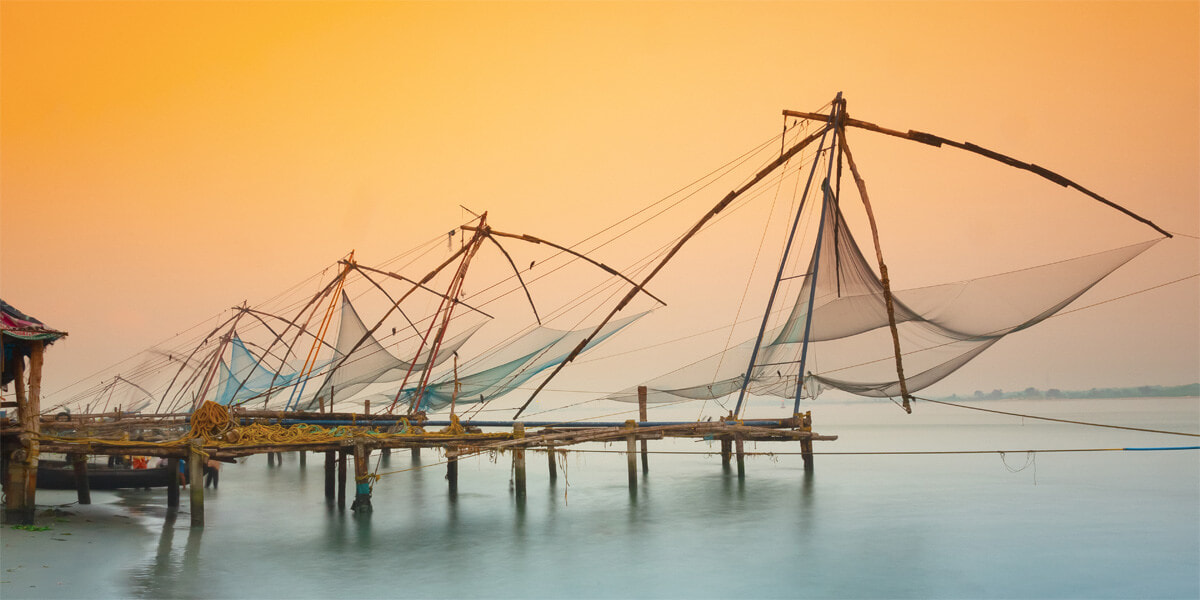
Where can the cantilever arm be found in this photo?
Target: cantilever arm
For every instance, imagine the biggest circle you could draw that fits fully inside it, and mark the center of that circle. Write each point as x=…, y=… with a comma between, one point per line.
x=537, y=240
x=516, y=272
x=938, y=141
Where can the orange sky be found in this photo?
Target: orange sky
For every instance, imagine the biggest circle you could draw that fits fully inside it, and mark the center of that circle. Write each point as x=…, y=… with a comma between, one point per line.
x=162, y=161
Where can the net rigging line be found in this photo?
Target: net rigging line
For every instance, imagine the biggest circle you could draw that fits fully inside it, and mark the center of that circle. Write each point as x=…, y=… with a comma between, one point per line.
x=1072, y=422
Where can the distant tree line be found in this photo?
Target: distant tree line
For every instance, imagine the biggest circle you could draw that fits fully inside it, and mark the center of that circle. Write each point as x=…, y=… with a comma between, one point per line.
x=1145, y=391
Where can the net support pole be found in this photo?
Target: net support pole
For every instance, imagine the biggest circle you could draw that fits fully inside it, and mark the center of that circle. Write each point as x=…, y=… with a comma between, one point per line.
x=826, y=193
x=762, y=328
x=631, y=454
x=195, y=468
x=172, y=484
x=883, y=272
x=83, y=490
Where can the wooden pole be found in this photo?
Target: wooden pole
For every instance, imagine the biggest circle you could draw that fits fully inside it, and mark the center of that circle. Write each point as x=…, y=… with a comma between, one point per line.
x=341, y=475
x=726, y=450
x=519, y=461
x=631, y=453
x=36, y=357
x=270, y=459
x=196, y=480
x=741, y=456
x=806, y=445
x=303, y=458
x=642, y=418
x=362, y=479
x=452, y=469
x=329, y=469
x=18, y=466
x=552, y=464
x=173, y=484
x=82, y=489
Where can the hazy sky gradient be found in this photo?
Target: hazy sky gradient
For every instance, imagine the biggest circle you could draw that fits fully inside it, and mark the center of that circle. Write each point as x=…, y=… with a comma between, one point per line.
x=162, y=161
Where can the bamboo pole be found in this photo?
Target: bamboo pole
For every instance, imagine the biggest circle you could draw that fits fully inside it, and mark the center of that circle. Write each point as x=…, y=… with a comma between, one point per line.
x=937, y=141
x=713, y=212
x=889, y=303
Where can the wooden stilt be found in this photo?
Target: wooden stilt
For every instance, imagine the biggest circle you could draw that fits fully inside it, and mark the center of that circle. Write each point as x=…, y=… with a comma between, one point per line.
x=173, y=484
x=519, y=461
x=642, y=418
x=329, y=469
x=195, y=469
x=303, y=458
x=362, y=479
x=82, y=489
x=17, y=505
x=341, y=475
x=552, y=464
x=270, y=459
x=726, y=450
x=416, y=452
x=806, y=447
x=631, y=453
x=452, y=469
x=741, y=455
x=36, y=357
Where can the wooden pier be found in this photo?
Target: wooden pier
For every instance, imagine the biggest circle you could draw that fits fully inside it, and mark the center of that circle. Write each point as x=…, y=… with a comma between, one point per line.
x=239, y=433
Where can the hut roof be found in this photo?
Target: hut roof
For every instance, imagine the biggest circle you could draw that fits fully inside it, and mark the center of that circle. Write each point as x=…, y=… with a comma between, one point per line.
x=17, y=329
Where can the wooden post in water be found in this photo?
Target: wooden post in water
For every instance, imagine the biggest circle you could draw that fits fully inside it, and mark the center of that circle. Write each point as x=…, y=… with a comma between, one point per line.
x=362, y=479
x=631, y=453
x=452, y=469
x=726, y=450
x=806, y=446
x=416, y=452
x=642, y=418
x=329, y=468
x=270, y=459
x=303, y=458
x=195, y=469
x=519, y=460
x=741, y=455
x=341, y=486
x=553, y=465
x=173, y=484
x=82, y=489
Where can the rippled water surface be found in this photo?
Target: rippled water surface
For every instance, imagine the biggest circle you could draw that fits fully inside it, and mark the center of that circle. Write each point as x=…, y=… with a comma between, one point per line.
x=1052, y=524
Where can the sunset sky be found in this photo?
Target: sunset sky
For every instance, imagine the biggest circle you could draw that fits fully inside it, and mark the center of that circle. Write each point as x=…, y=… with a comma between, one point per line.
x=162, y=161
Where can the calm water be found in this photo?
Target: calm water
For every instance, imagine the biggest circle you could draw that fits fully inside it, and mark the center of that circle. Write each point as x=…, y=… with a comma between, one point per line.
x=1070, y=525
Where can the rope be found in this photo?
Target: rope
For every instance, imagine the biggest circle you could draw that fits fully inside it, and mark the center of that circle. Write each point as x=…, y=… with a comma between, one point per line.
x=1012, y=414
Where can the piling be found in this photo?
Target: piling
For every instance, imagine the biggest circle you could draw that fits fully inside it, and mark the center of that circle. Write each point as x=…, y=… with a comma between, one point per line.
x=553, y=465
x=741, y=455
x=82, y=489
x=303, y=458
x=806, y=448
x=726, y=451
x=196, y=480
x=329, y=468
x=362, y=479
x=642, y=418
x=631, y=453
x=519, y=461
x=270, y=459
x=341, y=476
x=172, y=484
x=452, y=469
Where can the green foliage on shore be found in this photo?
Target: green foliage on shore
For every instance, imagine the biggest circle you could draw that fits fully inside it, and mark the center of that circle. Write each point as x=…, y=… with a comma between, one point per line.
x=1145, y=391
